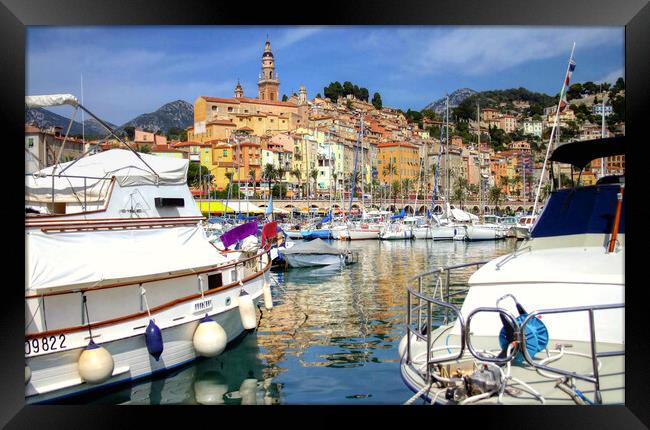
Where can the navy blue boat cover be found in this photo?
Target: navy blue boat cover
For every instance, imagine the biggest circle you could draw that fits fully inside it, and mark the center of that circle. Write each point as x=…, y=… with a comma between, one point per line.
x=579, y=211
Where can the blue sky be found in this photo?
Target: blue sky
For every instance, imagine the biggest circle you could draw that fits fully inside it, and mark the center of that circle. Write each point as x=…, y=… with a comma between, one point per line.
x=132, y=70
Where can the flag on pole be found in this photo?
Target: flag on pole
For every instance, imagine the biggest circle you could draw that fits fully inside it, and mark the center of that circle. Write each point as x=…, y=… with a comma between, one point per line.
x=565, y=88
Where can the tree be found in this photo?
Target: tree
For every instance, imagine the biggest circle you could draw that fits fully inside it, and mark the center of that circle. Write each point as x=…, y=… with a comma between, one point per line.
x=460, y=191
x=574, y=91
x=145, y=149
x=494, y=195
x=175, y=133
x=280, y=171
x=284, y=98
x=407, y=183
x=333, y=91
x=269, y=174
x=129, y=130
x=194, y=173
x=376, y=101
x=318, y=96
x=363, y=94
x=348, y=88
x=313, y=174
x=279, y=190
x=298, y=175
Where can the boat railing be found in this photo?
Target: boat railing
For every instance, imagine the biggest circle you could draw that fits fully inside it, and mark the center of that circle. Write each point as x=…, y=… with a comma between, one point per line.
x=595, y=355
x=442, y=289
x=418, y=301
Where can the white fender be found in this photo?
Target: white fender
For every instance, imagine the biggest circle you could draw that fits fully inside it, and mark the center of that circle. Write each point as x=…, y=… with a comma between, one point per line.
x=268, y=298
x=209, y=338
x=95, y=364
x=247, y=310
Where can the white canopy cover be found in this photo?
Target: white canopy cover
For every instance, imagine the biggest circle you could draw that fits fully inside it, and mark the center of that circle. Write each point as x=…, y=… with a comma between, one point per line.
x=89, y=259
x=51, y=100
x=461, y=215
x=128, y=169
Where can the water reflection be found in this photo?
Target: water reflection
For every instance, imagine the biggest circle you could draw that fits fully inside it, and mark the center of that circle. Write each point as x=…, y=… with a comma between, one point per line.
x=331, y=337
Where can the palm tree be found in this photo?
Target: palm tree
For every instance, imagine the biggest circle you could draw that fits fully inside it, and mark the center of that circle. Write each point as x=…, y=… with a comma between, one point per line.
x=407, y=183
x=494, y=195
x=281, y=171
x=298, y=175
x=390, y=169
x=460, y=190
x=269, y=174
x=314, y=175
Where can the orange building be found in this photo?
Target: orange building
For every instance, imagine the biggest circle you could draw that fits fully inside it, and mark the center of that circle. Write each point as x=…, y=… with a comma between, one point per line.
x=400, y=157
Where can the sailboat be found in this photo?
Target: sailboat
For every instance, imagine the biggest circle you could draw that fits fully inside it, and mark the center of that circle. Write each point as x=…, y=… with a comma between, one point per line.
x=446, y=226
x=489, y=228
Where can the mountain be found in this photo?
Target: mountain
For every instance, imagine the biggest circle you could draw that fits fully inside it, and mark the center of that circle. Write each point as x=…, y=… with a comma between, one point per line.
x=177, y=114
x=44, y=118
x=455, y=99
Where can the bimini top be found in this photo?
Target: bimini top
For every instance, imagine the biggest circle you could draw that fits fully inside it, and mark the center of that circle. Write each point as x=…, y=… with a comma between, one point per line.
x=85, y=175
x=581, y=153
x=127, y=168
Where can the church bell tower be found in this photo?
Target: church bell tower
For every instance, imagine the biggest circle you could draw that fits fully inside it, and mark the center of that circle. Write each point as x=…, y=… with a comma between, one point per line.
x=268, y=84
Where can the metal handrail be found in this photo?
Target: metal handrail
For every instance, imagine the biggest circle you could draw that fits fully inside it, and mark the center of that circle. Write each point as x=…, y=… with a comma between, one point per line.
x=595, y=379
x=519, y=330
x=428, y=302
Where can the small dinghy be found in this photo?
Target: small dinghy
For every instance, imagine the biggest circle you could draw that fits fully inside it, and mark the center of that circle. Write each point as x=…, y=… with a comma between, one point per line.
x=317, y=253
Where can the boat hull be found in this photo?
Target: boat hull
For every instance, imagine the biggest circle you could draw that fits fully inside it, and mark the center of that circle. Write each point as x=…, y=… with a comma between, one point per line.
x=474, y=232
x=55, y=375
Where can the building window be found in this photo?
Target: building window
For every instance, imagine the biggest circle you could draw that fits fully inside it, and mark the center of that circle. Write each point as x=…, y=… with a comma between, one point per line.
x=214, y=108
x=225, y=152
x=30, y=142
x=229, y=108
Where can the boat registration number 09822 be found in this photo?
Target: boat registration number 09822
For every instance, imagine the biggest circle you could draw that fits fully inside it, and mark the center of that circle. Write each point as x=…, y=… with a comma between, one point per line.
x=45, y=344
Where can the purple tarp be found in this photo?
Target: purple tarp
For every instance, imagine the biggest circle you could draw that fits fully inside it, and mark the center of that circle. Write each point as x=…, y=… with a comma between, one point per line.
x=238, y=233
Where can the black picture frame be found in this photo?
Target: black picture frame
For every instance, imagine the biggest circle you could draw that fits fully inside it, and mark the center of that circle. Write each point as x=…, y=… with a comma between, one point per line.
x=15, y=15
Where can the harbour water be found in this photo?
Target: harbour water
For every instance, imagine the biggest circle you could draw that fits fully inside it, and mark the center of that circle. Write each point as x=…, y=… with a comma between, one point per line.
x=331, y=338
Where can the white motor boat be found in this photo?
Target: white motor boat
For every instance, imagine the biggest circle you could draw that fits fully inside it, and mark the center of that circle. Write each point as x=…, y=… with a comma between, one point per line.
x=542, y=325
x=121, y=281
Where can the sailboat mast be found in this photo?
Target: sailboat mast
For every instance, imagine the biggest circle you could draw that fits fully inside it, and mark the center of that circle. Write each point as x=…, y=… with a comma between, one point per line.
x=555, y=126
x=447, y=149
x=602, y=134
x=478, y=147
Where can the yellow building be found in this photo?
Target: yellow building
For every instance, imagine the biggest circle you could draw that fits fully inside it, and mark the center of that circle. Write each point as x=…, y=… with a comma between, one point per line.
x=400, y=157
x=217, y=117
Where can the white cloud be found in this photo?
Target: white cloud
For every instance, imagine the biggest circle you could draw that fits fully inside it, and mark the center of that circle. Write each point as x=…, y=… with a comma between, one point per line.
x=612, y=76
x=474, y=51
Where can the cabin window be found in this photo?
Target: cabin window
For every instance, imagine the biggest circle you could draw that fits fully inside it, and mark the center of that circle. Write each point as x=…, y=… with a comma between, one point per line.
x=215, y=281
